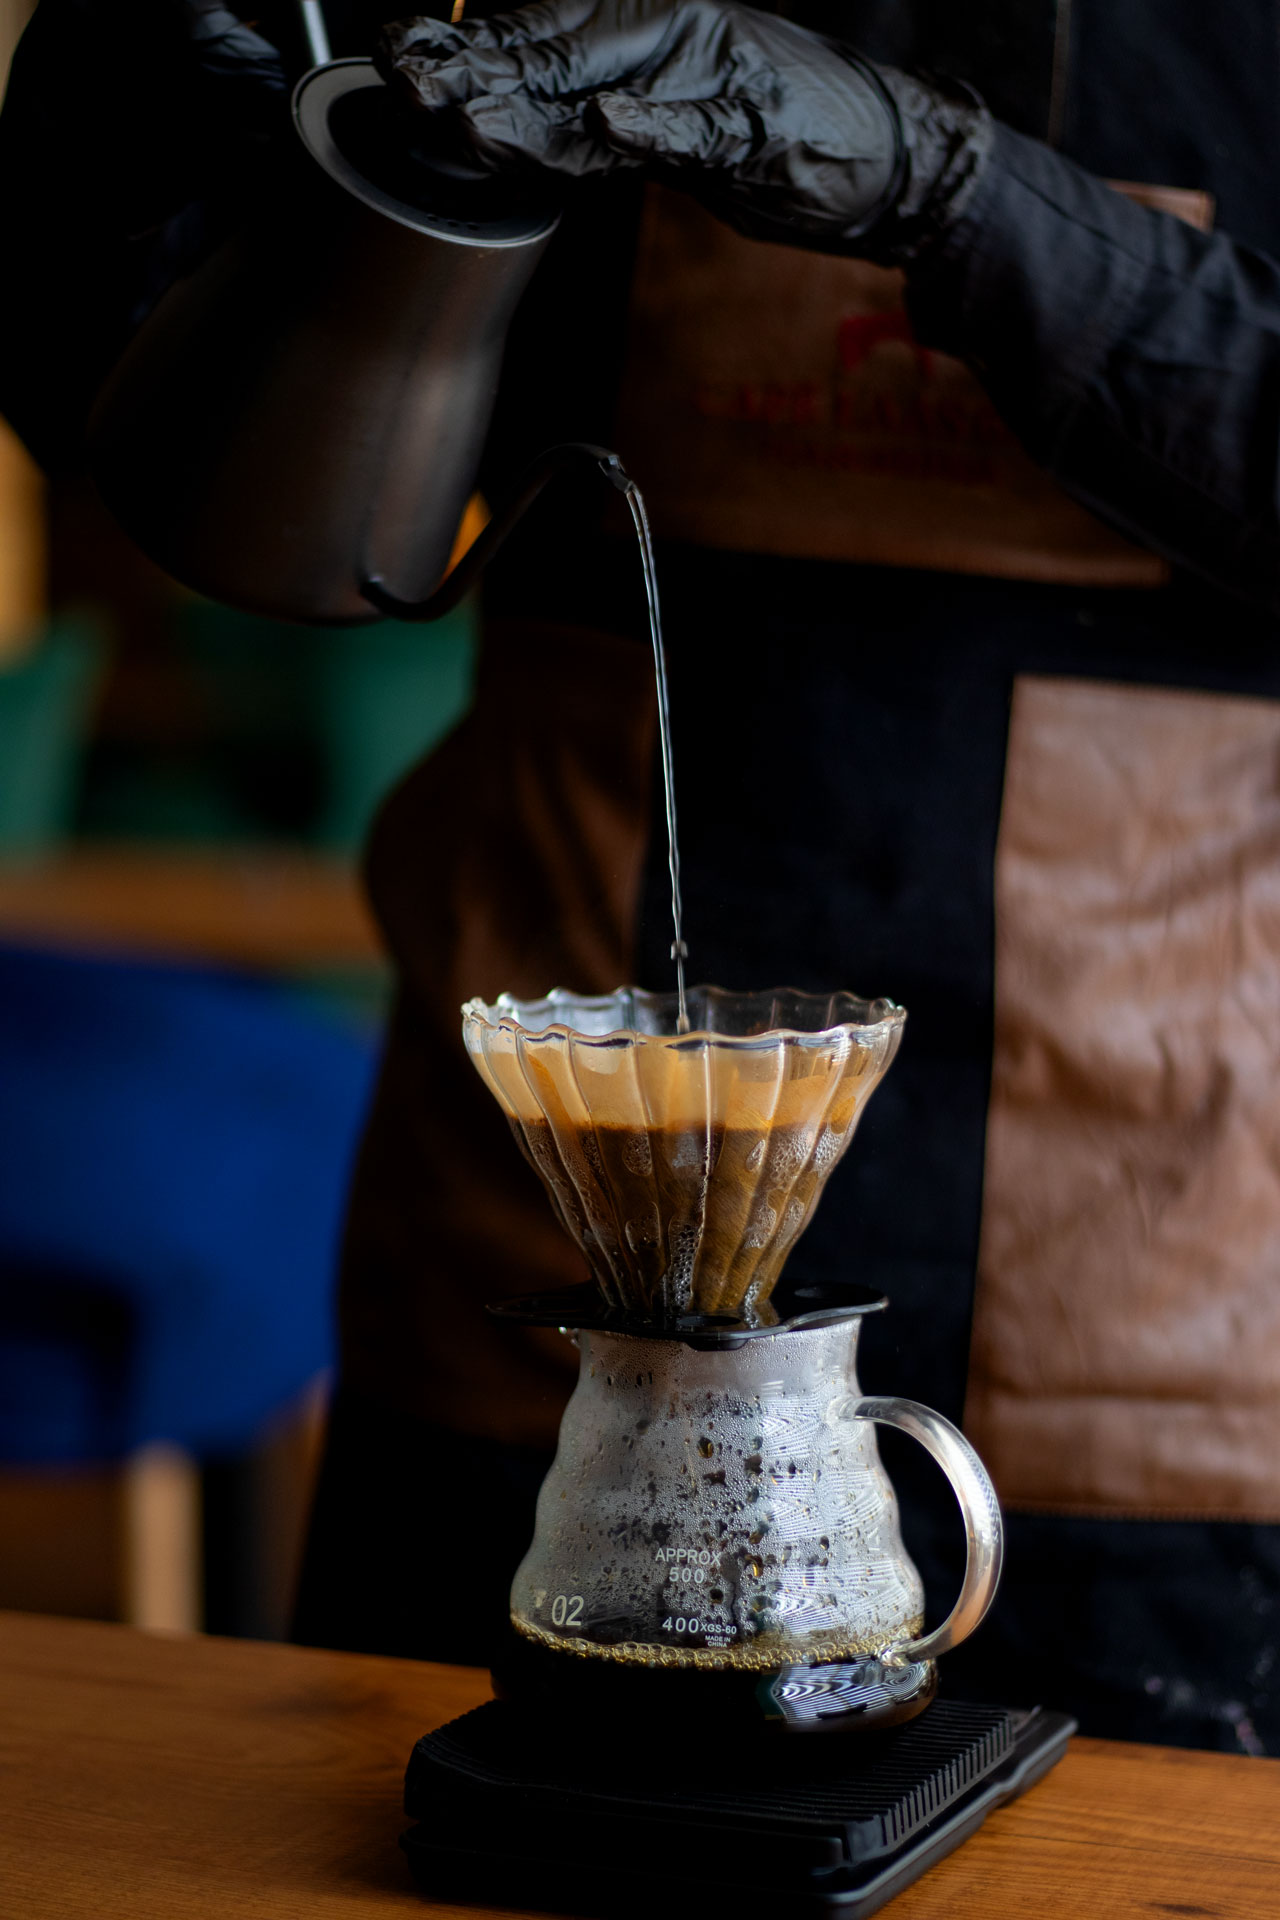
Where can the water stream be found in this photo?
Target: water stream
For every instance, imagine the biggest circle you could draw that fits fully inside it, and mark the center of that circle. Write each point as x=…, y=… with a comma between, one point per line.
x=679, y=952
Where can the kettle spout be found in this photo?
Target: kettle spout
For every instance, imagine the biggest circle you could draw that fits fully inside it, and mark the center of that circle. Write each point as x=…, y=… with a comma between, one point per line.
x=461, y=577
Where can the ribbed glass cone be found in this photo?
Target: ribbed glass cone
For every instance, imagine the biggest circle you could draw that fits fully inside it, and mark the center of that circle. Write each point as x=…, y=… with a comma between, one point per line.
x=685, y=1166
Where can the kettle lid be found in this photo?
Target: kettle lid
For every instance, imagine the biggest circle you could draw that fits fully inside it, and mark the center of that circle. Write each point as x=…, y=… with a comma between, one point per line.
x=357, y=131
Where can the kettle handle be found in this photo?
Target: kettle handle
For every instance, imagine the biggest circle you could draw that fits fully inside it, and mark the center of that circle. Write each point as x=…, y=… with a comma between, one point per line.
x=983, y=1526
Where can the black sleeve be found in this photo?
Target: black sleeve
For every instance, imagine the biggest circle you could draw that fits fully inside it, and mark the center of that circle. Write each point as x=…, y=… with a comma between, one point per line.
x=1137, y=359
x=130, y=139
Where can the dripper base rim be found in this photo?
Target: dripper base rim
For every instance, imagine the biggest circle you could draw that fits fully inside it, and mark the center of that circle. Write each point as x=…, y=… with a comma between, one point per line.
x=797, y=1303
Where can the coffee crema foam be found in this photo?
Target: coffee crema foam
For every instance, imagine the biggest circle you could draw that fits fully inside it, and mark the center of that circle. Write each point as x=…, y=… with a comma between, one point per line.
x=763, y=1655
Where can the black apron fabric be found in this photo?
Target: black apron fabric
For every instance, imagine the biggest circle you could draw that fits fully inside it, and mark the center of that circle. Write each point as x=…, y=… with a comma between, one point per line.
x=876, y=704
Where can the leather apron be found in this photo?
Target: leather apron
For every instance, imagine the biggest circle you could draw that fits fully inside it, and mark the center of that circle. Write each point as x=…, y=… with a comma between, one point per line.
x=1126, y=1328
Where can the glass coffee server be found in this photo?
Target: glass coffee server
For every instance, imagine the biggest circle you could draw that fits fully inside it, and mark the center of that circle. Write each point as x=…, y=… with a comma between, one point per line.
x=717, y=1530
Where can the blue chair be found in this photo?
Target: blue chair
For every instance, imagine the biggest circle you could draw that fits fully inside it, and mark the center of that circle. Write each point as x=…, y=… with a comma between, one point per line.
x=175, y=1151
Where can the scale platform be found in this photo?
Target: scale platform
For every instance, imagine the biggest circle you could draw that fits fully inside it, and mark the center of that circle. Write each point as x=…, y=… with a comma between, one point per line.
x=512, y=1811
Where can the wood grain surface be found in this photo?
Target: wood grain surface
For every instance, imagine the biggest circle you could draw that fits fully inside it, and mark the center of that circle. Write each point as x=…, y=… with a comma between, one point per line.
x=144, y=1777
x=254, y=907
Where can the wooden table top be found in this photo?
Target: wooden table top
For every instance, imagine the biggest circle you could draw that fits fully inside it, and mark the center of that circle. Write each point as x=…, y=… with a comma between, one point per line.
x=152, y=1778
x=270, y=907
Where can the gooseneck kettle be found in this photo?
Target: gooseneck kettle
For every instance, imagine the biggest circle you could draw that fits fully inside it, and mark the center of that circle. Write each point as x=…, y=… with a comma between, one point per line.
x=296, y=427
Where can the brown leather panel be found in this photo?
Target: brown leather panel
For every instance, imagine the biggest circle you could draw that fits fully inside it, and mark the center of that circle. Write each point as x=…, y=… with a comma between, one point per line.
x=776, y=402
x=1126, y=1346
x=1184, y=203
x=510, y=860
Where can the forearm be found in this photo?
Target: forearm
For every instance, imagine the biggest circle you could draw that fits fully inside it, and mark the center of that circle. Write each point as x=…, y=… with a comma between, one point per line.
x=131, y=140
x=1137, y=359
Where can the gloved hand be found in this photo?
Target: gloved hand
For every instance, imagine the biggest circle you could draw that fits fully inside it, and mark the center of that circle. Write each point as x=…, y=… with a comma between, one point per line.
x=243, y=72
x=786, y=135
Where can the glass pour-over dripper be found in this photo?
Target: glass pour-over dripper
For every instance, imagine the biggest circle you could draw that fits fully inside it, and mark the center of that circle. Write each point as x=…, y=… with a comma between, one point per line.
x=685, y=1165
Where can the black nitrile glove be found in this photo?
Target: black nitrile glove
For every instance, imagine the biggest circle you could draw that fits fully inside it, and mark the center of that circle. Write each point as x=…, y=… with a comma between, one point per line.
x=785, y=135
x=243, y=74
